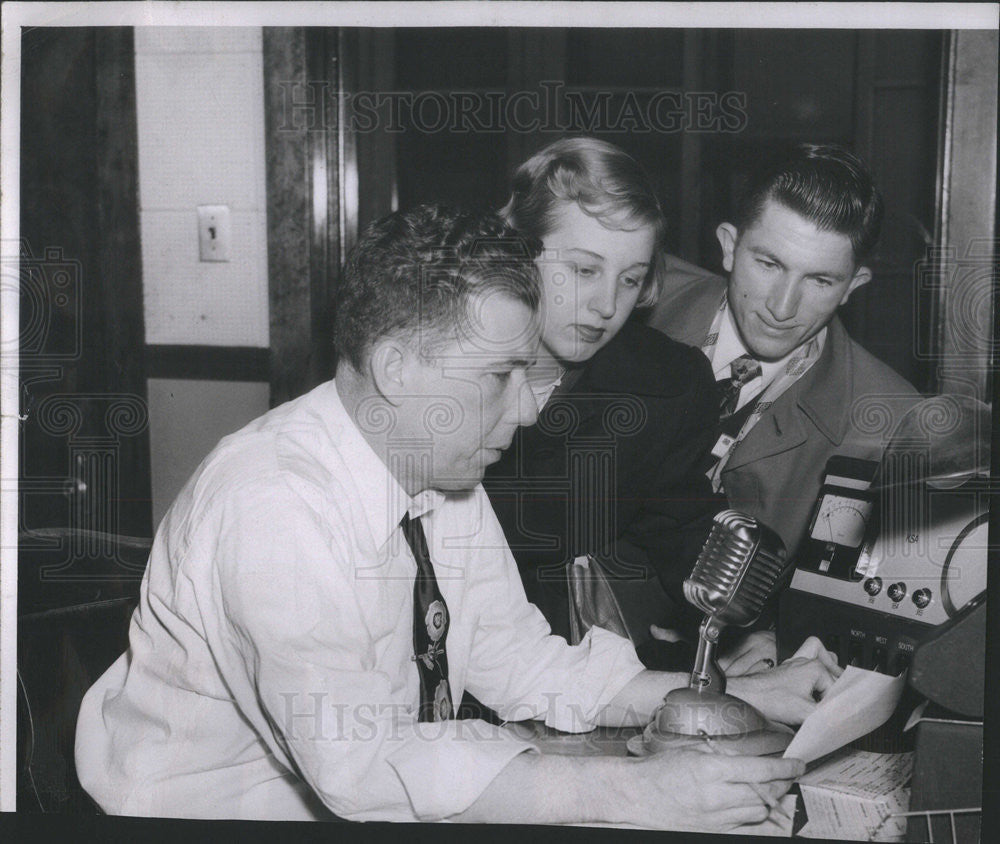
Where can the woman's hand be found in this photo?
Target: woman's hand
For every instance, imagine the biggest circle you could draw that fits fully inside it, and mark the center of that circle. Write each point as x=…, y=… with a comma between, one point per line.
x=666, y=635
x=756, y=651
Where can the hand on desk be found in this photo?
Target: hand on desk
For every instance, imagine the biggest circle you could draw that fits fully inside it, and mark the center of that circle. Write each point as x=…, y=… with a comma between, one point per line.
x=691, y=789
x=789, y=692
x=688, y=788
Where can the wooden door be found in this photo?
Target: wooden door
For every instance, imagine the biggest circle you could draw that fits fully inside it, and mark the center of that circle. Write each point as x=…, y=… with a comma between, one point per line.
x=84, y=458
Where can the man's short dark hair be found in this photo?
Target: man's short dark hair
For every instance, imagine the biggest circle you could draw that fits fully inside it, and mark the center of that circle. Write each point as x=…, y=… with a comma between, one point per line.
x=826, y=184
x=412, y=273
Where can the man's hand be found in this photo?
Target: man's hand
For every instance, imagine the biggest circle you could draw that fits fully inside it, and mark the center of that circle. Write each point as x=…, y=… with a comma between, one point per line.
x=690, y=790
x=789, y=692
x=813, y=648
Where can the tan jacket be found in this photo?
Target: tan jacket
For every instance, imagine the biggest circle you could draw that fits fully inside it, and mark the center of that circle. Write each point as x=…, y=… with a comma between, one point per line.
x=848, y=403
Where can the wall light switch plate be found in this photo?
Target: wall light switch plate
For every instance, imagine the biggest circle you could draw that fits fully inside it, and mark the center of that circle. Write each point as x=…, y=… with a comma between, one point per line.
x=214, y=232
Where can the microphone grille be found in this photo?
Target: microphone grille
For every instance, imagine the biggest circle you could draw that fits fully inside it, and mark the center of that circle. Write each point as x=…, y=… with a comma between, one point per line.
x=737, y=570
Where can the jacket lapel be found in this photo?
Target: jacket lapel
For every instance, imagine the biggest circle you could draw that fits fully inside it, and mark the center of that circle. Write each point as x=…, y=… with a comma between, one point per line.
x=827, y=398
x=818, y=399
x=779, y=429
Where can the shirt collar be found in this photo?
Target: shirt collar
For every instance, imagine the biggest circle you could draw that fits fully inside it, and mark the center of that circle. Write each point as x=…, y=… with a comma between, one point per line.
x=544, y=392
x=424, y=502
x=729, y=346
x=382, y=499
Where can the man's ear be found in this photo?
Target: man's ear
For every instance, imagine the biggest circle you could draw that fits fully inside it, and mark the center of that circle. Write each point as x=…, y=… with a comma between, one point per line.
x=386, y=364
x=861, y=276
x=727, y=235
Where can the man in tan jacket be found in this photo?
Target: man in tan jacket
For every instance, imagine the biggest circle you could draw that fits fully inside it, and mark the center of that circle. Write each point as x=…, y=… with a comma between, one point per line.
x=795, y=389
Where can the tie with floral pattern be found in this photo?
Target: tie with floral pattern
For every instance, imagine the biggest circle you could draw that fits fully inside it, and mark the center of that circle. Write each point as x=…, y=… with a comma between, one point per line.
x=430, y=628
x=744, y=369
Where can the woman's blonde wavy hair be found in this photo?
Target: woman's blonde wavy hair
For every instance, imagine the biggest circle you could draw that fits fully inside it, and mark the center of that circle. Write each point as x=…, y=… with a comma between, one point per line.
x=603, y=180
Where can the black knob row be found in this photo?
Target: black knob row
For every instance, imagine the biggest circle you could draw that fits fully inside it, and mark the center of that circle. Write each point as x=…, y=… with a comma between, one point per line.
x=897, y=591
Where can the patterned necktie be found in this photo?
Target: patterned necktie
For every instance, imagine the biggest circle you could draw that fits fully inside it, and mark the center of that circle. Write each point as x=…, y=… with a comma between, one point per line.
x=430, y=628
x=744, y=369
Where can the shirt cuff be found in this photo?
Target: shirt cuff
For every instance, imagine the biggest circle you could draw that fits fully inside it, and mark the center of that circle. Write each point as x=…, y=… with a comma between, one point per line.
x=611, y=664
x=446, y=765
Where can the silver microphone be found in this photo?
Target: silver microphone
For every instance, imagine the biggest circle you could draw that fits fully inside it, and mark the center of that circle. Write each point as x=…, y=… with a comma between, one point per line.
x=736, y=572
x=738, y=569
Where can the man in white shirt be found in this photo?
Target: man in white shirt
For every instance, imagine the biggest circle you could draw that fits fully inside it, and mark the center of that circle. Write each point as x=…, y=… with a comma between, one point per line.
x=282, y=661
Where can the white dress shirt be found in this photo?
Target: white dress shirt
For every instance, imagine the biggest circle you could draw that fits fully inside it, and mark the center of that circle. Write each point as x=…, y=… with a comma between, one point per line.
x=270, y=658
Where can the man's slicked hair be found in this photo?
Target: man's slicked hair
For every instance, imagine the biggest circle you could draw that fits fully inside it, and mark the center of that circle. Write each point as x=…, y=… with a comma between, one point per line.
x=826, y=184
x=412, y=275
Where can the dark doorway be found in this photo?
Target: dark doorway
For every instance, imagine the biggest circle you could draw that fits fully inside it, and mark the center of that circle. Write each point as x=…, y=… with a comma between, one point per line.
x=84, y=443
x=84, y=485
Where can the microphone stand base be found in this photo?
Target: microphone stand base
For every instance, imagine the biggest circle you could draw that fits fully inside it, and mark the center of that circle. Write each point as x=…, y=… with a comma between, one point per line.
x=734, y=726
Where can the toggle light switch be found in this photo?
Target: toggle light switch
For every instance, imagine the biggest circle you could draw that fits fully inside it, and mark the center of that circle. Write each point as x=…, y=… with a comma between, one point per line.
x=214, y=232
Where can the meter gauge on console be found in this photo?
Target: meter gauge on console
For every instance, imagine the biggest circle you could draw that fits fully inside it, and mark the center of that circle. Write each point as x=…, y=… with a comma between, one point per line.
x=841, y=520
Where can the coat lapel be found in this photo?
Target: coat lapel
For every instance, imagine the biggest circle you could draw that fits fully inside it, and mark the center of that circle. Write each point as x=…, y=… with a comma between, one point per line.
x=818, y=399
x=827, y=398
x=778, y=430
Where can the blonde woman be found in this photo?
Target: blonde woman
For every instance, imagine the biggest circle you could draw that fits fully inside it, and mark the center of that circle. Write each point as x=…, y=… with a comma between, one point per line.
x=615, y=466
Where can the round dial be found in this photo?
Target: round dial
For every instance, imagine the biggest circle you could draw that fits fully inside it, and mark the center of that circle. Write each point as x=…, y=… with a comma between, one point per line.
x=841, y=520
x=873, y=585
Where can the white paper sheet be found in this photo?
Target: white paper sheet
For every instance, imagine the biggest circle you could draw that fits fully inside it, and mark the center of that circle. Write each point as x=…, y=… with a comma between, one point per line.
x=857, y=703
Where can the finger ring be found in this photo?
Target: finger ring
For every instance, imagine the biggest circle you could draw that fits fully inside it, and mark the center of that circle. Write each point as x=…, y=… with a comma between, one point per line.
x=768, y=662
